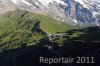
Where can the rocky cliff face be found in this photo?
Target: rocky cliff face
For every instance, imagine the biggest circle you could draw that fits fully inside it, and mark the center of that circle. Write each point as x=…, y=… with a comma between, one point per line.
x=54, y=8
x=79, y=11
x=6, y=5
x=84, y=12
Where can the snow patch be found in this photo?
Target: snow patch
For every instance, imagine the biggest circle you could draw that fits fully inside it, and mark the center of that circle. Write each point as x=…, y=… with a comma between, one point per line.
x=21, y=1
x=95, y=13
x=43, y=2
x=25, y=2
x=15, y=1
x=81, y=2
x=46, y=2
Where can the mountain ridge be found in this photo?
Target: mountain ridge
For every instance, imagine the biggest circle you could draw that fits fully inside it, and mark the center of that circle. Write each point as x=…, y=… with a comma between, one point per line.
x=81, y=12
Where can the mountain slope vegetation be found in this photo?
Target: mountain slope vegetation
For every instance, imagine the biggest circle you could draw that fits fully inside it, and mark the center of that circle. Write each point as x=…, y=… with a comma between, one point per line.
x=19, y=27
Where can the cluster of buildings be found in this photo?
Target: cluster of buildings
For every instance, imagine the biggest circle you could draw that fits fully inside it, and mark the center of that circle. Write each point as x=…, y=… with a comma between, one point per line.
x=53, y=37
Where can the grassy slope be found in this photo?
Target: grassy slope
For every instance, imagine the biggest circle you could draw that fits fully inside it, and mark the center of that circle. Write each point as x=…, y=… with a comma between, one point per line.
x=48, y=24
x=16, y=28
